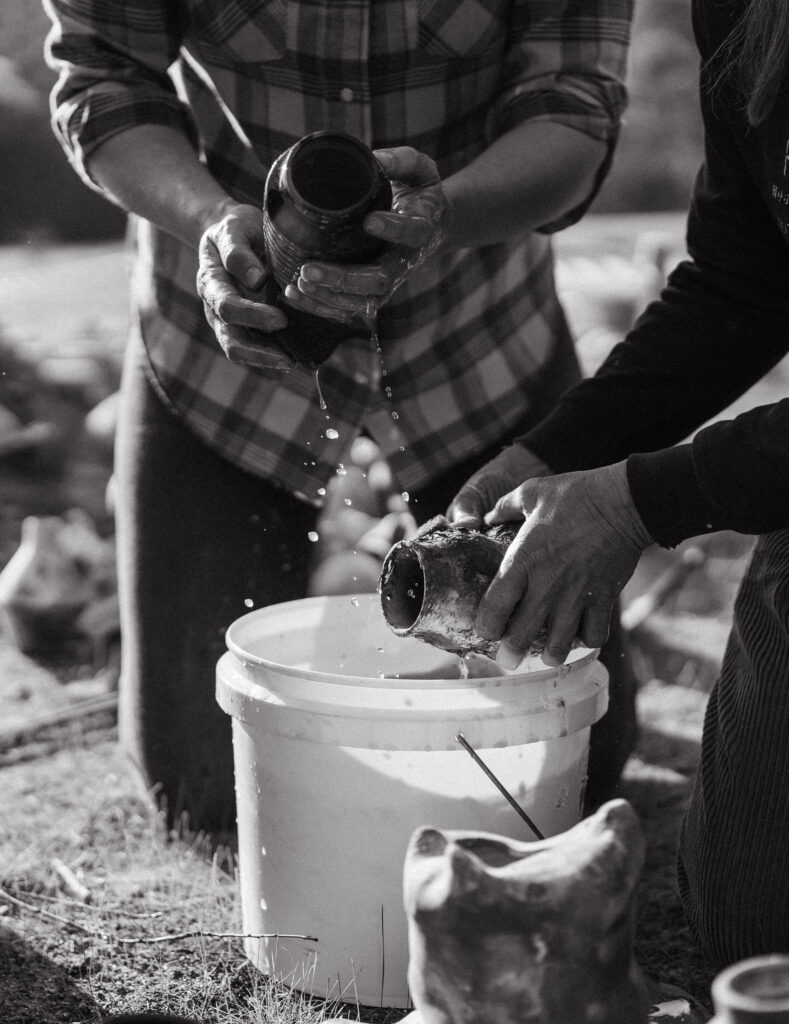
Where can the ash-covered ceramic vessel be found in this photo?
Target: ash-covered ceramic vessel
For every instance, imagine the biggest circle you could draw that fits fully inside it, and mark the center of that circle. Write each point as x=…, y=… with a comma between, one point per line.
x=432, y=583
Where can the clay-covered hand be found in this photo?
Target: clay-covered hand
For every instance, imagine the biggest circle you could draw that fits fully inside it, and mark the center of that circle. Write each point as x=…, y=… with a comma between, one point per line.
x=412, y=229
x=578, y=546
x=478, y=495
x=230, y=279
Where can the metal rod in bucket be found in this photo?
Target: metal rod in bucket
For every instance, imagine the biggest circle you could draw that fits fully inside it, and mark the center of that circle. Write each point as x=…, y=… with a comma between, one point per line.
x=507, y=796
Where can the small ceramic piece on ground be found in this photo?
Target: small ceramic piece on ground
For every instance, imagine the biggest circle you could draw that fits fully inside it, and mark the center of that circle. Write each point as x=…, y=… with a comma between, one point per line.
x=670, y=1005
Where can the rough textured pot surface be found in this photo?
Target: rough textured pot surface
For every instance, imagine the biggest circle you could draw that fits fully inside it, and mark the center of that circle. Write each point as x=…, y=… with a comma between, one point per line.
x=431, y=585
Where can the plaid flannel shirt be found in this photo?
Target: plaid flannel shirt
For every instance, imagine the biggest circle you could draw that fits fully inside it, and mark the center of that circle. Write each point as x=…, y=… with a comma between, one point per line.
x=464, y=339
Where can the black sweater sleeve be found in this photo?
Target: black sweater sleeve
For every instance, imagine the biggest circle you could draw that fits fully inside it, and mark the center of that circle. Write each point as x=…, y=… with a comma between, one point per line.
x=721, y=323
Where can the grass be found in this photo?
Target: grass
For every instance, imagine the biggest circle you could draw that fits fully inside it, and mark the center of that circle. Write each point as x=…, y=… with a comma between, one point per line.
x=153, y=935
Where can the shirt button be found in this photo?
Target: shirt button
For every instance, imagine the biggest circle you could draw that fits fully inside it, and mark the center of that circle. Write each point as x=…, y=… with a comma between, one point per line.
x=346, y=94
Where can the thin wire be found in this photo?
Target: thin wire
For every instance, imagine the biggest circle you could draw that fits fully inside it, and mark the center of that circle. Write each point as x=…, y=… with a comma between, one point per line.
x=507, y=796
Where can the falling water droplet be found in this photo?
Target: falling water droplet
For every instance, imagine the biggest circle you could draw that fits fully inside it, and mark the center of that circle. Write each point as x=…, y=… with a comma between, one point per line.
x=355, y=602
x=388, y=391
x=348, y=501
x=321, y=400
x=395, y=415
x=331, y=434
x=405, y=496
x=248, y=602
x=313, y=536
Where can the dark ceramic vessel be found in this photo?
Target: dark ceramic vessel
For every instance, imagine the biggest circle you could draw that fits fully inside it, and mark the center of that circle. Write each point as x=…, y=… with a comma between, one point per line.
x=317, y=195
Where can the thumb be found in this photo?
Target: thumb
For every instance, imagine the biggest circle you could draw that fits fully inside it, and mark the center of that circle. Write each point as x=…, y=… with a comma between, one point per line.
x=467, y=509
x=509, y=507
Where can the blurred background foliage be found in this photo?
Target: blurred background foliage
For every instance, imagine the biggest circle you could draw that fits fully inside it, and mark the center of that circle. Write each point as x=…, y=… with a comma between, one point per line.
x=41, y=199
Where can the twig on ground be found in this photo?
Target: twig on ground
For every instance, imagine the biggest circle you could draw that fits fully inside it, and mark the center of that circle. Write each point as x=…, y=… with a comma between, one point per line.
x=5, y=895
x=198, y=933
x=79, y=710
x=138, y=939
x=70, y=881
x=640, y=609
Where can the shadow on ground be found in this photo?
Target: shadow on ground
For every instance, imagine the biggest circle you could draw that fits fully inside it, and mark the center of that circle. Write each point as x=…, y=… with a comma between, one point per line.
x=35, y=990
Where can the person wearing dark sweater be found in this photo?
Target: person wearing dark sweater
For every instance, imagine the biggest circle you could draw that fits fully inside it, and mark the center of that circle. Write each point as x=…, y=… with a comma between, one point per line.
x=605, y=475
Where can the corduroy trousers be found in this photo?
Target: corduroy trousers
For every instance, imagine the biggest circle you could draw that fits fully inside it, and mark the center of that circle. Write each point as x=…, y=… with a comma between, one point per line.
x=734, y=843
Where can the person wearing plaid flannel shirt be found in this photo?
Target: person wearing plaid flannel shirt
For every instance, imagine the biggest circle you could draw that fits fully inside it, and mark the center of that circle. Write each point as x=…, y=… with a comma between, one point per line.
x=496, y=121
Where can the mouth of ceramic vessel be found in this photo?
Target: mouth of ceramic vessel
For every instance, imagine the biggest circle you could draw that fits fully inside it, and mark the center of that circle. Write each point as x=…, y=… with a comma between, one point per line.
x=332, y=173
x=761, y=983
x=403, y=588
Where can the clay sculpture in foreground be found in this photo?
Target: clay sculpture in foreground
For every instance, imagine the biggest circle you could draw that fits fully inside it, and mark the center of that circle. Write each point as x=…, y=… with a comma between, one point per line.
x=508, y=932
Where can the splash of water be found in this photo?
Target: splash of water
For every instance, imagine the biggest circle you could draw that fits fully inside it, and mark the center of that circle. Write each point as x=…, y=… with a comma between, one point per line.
x=321, y=399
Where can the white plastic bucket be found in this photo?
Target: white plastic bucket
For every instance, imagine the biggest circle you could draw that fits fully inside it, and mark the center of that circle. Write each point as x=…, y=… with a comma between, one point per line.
x=344, y=744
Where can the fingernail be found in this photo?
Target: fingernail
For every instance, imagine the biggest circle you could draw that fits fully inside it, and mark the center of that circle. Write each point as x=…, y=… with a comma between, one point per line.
x=312, y=273
x=465, y=519
x=508, y=658
x=384, y=159
x=253, y=277
x=374, y=223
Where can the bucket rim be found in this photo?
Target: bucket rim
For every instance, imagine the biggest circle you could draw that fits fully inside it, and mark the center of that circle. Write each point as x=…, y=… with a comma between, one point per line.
x=512, y=677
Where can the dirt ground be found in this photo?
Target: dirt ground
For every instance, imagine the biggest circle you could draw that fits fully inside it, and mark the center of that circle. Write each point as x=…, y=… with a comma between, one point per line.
x=67, y=796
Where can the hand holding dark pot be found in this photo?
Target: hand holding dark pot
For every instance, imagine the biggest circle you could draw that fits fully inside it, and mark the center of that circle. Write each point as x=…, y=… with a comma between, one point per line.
x=230, y=282
x=578, y=546
x=412, y=229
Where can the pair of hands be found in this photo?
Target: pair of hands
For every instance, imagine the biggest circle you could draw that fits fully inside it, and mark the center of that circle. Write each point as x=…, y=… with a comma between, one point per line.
x=581, y=536
x=233, y=272
x=578, y=546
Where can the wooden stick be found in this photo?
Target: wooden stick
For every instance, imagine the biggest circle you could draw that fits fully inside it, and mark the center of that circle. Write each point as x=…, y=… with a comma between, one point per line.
x=669, y=581
x=197, y=933
x=173, y=937
x=70, y=880
x=60, y=716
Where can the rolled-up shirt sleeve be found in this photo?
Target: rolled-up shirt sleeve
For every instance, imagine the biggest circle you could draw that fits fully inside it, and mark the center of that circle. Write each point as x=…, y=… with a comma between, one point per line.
x=113, y=63
x=567, y=63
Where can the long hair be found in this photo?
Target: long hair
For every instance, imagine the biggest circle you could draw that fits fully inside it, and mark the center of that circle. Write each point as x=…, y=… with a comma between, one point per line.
x=756, y=56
